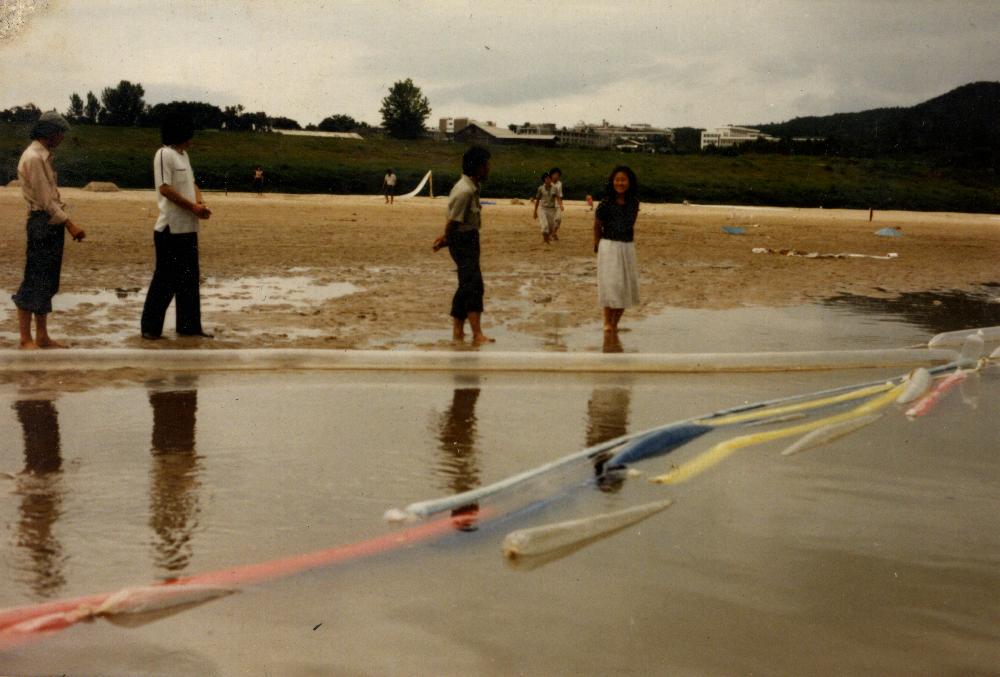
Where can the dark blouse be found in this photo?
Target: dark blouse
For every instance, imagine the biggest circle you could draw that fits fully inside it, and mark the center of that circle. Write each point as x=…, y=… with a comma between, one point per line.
x=617, y=221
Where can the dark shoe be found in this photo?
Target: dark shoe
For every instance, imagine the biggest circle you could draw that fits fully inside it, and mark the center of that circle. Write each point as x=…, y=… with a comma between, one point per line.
x=151, y=337
x=198, y=334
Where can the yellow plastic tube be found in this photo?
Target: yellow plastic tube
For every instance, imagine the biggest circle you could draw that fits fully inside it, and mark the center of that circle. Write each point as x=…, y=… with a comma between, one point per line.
x=723, y=450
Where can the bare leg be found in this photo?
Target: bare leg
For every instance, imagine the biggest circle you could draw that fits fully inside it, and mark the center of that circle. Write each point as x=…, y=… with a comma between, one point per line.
x=42, y=338
x=617, y=312
x=609, y=323
x=477, y=332
x=457, y=329
x=24, y=326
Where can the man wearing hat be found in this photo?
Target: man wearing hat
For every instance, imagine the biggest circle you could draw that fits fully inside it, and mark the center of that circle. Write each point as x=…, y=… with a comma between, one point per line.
x=47, y=220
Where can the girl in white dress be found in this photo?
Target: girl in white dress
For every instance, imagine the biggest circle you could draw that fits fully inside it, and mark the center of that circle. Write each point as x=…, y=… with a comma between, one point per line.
x=614, y=230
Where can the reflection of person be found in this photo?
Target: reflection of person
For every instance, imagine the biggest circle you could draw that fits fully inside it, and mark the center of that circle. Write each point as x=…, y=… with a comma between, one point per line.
x=614, y=226
x=258, y=179
x=607, y=418
x=546, y=198
x=461, y=236
x=177, y=276
x=41, y=497
x=389, y=186
x=47, y=221
x=557, y=186
x=458, y=443
x=607, y=414
x=173, y=494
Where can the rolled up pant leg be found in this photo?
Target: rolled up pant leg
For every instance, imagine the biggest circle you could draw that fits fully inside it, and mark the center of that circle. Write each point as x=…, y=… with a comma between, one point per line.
x=42, y=265
x=468, y=298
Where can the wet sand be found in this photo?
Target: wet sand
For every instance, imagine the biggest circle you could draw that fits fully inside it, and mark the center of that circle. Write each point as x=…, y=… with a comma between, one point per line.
x=313, y=243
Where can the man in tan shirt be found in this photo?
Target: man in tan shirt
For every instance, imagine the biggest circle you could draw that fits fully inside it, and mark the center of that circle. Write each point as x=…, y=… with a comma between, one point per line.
x=47, y=219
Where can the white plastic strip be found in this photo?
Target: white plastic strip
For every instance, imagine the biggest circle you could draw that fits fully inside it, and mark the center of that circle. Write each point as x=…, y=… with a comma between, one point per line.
x=544, y=539
x=957, y=338
x=420, y=187
x=468, y=360
x=828, y=434
x=917, y=383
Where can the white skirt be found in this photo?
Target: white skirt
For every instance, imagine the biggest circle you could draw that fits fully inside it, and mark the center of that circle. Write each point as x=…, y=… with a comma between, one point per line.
x=617, y=274
x=547, y=220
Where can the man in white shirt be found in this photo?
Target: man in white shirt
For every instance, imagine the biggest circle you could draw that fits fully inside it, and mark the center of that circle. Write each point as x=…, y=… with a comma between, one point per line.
x=47, y=221
x=461, y=237
x=389, y=186
x=175, y=235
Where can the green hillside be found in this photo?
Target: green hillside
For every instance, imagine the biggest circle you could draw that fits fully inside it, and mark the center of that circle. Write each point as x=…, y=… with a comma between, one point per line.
x=319, y=165
x=963, y=124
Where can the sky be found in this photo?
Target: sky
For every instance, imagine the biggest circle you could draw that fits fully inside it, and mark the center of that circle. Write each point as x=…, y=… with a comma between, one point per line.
x=685, y=63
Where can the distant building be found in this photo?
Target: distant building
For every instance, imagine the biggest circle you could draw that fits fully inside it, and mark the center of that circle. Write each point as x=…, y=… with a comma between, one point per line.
x=488, y=133
x=447, y=127
x=637, y=136
x=730, y=135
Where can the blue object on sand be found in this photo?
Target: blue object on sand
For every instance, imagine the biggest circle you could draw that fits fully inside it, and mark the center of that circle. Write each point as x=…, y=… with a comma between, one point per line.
x=733, y=230
x=487, y=202
x=889, y=232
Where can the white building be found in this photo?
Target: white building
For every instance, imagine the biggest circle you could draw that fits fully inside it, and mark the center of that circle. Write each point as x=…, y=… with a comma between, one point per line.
x=730, y=135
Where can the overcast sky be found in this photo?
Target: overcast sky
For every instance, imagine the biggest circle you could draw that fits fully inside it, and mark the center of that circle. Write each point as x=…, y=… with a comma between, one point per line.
x=683, y=63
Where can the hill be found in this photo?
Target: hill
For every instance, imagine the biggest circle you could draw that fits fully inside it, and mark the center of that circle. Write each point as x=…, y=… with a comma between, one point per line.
x=225, y=160
x=961, y=124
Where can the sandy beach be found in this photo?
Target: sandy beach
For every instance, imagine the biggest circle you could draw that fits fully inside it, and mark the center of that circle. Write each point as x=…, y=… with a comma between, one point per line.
x=353, y=272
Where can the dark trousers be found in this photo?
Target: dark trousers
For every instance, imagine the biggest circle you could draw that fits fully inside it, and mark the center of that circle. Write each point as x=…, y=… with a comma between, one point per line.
x=177, y=276
x=464, y=250
x=42, y=264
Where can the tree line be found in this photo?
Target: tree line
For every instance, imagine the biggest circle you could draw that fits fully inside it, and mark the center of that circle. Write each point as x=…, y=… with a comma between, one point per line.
x=404, y=112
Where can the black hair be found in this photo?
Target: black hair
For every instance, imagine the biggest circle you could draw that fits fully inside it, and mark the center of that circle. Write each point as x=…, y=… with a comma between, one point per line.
x=545, y=175
x=555, y=170
x=177, y=128
x=631, y=195
x=474, y=158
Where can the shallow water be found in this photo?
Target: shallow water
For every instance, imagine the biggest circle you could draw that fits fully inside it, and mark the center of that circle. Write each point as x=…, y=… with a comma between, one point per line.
x=875, y=554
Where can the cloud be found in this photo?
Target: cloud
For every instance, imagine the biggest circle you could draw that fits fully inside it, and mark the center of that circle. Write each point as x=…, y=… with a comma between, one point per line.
x=682, y=63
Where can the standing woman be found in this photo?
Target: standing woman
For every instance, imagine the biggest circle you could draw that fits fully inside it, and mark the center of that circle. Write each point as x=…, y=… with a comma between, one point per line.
x=175, y=235
x=614, y=227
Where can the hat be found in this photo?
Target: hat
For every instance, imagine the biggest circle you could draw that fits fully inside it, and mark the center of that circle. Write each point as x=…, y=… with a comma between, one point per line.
x=48, y=125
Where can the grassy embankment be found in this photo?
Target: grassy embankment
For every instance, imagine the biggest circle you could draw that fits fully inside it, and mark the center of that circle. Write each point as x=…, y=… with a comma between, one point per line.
x=317, y=165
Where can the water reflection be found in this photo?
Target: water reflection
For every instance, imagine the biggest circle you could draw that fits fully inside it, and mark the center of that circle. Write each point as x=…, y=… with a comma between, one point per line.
x=41, y=495
x=458, y=465
x=607, y=418
x=936, y=312
x=612, y=343
x=607, y=414
x=174, y=484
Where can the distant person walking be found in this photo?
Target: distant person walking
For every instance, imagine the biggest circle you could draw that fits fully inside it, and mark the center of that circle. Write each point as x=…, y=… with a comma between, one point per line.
x=47, y=223
x=175, y=235
x=258, y=180
x=461, y=236
x=557, y=186
x=389, y=186
x=614, y=230
x=545, y=197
